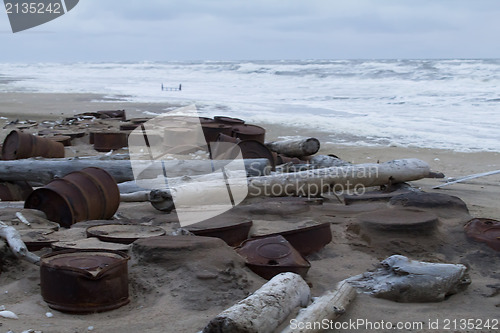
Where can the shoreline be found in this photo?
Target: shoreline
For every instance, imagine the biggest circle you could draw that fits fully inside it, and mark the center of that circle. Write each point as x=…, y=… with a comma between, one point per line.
x=161, y=306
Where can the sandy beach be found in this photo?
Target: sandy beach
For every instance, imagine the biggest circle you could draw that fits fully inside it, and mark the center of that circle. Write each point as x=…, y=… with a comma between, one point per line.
x=166, y=300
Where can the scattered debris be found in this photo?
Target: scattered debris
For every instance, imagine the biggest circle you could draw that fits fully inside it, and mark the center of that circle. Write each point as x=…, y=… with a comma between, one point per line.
x=485, y=231
x=400, y=279
x=265, y=309
x=8, y=314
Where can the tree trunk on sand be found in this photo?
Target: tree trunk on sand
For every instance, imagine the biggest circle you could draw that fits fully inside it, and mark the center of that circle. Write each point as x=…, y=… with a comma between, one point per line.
x=295, y=147
x=264, y=310
x=330, y=306
x=205, y=191
x=42, y=171
x=17, y=246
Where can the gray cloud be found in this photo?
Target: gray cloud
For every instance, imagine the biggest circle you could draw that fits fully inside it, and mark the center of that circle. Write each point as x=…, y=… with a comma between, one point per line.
x=117, y=30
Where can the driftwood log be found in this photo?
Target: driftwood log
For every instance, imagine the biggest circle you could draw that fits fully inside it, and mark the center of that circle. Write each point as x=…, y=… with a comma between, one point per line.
x=17, y=246
x=264, y=310
x=42, y=171
x=295, y=147
x=400, y=279
x=330, y=306
x=204, y=190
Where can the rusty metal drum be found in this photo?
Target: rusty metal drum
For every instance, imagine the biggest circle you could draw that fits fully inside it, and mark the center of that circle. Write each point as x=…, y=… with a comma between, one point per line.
x=228, y=120
x=106, y=141
x=19, y=145
x=89, y=194
x=269, y=256
x=211, y=131
x=15, y=191
x=84, y=281
x=249, y=132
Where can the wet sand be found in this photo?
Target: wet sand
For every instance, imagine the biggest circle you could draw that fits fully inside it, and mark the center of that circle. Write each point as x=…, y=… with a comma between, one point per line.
x=159, y=296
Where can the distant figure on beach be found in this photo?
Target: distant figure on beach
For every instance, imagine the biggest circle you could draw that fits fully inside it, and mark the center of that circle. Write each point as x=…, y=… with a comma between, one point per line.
x=180, y=87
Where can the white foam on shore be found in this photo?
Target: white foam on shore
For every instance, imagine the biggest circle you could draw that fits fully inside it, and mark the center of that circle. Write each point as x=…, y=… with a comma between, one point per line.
x=450, y=104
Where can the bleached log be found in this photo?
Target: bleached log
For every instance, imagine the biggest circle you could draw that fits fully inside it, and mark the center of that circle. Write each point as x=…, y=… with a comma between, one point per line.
x=295, y=147
x=42, y=171
x=330, y=306
x=264, y=310
x=139, y=196
x=16, y=244
x=204, y=191
x=358, y=176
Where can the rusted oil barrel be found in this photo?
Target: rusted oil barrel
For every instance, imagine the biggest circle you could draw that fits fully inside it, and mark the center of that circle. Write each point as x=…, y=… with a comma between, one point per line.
x=256, y=149
x=106, y=141
x=269, y=256
x=15, y=191
x=89, y=194
x=228, y=120
x=226, y=138
x=19, y=145
x=206, y=120
x=249, y=132
x=211, y=131
x=84, y=281
x=64, y=139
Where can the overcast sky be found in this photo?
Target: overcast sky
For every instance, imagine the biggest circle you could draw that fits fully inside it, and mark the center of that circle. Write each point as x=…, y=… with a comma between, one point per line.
x=156, y=30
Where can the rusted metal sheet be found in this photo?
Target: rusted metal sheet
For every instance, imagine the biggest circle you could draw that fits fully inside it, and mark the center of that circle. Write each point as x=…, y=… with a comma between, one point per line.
x=249, y=132
x=307, y=240
x=84, y=281
x=123, y=233
x=485, y=231
x=106, y=141
x=89, y=194
x=19, y=145
x=270, y=256
x=231, y=233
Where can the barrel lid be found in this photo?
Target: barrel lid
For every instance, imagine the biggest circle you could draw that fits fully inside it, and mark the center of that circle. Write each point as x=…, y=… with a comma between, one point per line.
x=123, y=233
x=229, y=120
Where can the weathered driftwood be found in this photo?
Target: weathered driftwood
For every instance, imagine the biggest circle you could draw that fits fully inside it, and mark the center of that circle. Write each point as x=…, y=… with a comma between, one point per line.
x=42, y=171
x=315, y=182
x=330, y=306
x=264, y=310
x=295, y=147
x=21, y=218
x=327, y=161
x=403, y=280
x=203, y=190
x=17, y=246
